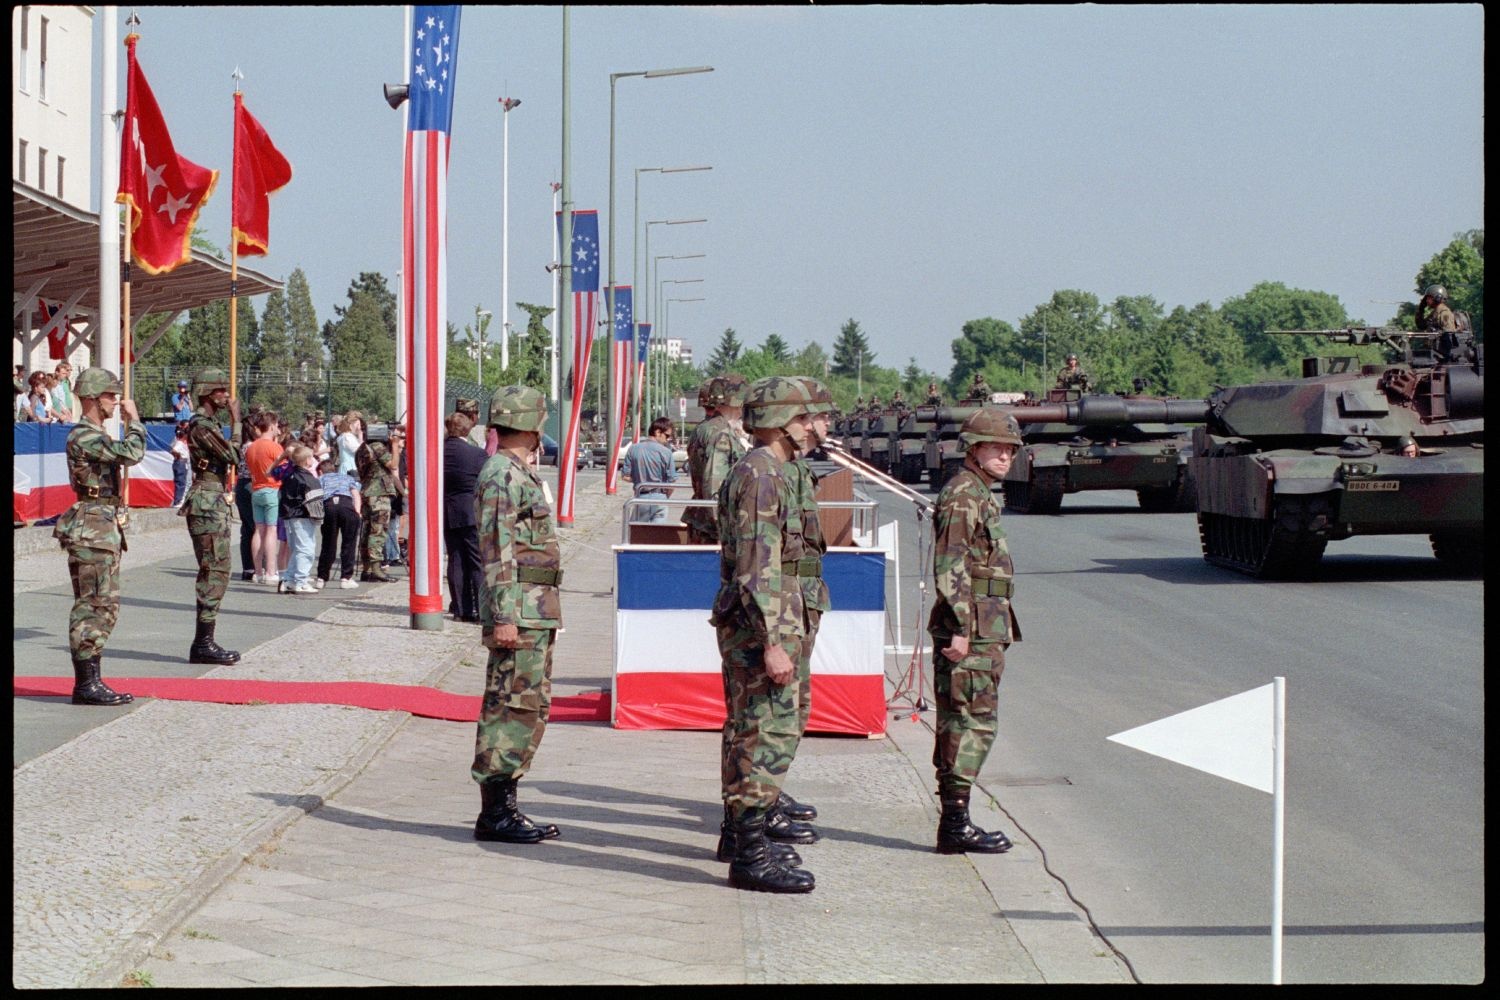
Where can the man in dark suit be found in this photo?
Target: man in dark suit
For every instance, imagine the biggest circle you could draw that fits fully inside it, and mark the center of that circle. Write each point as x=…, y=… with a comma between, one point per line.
x=462, y=463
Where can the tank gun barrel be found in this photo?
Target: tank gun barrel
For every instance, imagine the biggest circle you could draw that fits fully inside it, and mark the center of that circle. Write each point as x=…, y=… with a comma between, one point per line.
x=1112, y=410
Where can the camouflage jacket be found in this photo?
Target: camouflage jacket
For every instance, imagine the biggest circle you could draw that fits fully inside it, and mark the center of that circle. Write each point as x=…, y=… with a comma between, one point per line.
x=377, y=471
x=814, y=590
x=1437, y=319
x=517, y=546
x=712, y=451
x=971, y=565
x=209, y=455
x=761, y=546
x=97, y=520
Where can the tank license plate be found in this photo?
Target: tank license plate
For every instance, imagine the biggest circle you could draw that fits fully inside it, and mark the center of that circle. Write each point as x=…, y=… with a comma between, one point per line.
x=1373, y=485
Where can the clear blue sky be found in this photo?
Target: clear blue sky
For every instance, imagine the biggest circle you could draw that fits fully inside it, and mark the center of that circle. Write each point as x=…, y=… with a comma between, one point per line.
x=912, y=168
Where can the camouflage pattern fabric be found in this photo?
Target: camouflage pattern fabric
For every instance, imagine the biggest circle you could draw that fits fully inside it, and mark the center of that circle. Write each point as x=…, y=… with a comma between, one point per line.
x=761, y=528
x=517, y=537
x=92, y=532
x=377, y=470
x=517, y=699
x=207, y=507
x=970, y=560
x=518, y=548
x=373, y=527
x=1073, y=378
x=1436, y=319
x=712, y=451
x=814, y=591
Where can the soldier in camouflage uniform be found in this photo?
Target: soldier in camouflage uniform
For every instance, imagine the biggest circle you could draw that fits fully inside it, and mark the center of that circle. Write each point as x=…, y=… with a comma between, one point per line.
x=520, y=613
x=972, y=623
x=1071, y=376
x=92, y=531
x=761, y=621
x=712, y=451
x=1434, y=315
x=207, y=506
x=376, y=464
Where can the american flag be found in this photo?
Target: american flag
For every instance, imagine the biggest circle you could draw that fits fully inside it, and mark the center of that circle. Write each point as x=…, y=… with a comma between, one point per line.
x=643, y=349
x=585, y=285
x=424, y=276
x=620, y=389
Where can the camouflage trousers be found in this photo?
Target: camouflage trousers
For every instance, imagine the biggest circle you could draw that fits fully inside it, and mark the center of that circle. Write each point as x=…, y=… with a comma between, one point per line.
x=804, y=694
x=376, y=525
x=967, y=694
x=96, y=600
x=517, y=699
x=211, y=548
x=763, y=723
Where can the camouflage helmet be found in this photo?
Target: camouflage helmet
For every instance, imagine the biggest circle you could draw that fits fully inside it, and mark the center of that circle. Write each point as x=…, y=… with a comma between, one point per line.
x=518, y=408
x=1405, y=441
x=1438, y=292
x=466, y=406
x=705, y=393
x=94, y=381
x=210, y=380
x=1071, y=357
x=989, y=424
x=724, y=390
x=775, y=402
x=822, y=399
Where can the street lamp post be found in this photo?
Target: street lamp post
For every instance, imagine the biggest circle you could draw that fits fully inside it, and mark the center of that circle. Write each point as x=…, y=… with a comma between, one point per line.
x=506, y=104
x=635, y=282
x=666, y=326
x=613, y=415
x=660, y=280
x=479, y=316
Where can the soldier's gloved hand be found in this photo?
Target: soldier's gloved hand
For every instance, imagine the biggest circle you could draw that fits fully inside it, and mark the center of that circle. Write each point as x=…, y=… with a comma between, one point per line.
x=957, y=648
x=779, y=666
x=505, y=636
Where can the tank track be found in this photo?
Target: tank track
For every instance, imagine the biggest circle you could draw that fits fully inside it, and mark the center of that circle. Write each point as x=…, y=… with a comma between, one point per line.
x=911, y=469
x=1042, y=495
x=1288, y=545
x=1180, y=497
x=1462, y=552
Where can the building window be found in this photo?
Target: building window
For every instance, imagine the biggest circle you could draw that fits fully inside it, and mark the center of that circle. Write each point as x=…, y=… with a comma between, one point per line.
x=60, y=161
x=41, y=76
x=21, y=161
x=41, y=169
x=22, y=83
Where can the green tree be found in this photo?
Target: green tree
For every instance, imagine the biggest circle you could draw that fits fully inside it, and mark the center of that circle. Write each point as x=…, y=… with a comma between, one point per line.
x=776, y=348
x=1458, y=267
x=302, y=324
x=851, y=351
x=1196, y=349
x=725, y=354
x=811, y=360
x=363, y=339
x=530, y=355
x=982, y=345
x=1127, y=344
x=1271, y=305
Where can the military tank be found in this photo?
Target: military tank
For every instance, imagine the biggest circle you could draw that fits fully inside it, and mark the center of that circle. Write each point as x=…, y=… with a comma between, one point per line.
x=941, y=454
x=908, y=451
x=1284, y=467
x=1077, y=441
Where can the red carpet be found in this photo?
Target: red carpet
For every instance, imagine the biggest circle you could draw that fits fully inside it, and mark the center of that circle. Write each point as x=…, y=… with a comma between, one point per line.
x=429, y=703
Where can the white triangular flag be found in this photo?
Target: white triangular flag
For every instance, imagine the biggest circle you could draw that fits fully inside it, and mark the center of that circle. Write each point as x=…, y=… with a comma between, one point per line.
x=1231, y=738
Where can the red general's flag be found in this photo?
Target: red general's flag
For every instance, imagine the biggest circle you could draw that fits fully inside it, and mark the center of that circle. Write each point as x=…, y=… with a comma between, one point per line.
x=259, y=171
x=163, y=191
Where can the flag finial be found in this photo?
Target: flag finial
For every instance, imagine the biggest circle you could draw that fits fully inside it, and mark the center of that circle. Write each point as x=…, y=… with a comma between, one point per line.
x=236, y=76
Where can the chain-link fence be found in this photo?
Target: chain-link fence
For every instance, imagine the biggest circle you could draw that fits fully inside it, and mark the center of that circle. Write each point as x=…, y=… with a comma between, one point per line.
x=291, y=392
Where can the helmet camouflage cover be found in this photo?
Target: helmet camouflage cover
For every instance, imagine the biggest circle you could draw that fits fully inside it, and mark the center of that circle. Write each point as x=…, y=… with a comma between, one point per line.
x=1437, y=292
x=822, y=399
x=723, y=390
x=210, y=380
x=989, y=424
x=776, y=401
x=93, y=381
x=518, y=408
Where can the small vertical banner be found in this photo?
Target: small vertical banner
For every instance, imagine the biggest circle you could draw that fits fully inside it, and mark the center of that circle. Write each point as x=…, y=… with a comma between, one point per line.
x=643, y=352
x=584, y=260
x=620, y=345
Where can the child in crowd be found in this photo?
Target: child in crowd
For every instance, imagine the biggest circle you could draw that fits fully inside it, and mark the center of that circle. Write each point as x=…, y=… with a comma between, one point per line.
x=265, y=495
x=301, y=510
x=340, y=524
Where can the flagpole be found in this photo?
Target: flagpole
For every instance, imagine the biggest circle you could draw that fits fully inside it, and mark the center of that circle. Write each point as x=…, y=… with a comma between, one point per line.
x=569, y=363
x=1278, y=825
x=234, y=266
x=125, y=344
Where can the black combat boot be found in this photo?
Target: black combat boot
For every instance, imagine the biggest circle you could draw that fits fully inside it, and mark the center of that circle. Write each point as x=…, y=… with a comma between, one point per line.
x=753, y=867
x=956, y=835
x=500, y=820
x=205, y=650
x=88, y=689
x=780, y=827
x=783, y=854
x=796, y=810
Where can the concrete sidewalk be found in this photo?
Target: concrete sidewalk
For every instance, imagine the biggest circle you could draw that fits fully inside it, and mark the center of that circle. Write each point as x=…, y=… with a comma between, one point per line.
x=209, y=845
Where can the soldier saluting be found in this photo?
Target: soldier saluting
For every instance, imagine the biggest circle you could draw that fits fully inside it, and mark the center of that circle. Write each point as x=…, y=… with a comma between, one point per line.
x=520, y=612
x=971, y=624
x=92, y=531
x=761, y=621
x=206, y=506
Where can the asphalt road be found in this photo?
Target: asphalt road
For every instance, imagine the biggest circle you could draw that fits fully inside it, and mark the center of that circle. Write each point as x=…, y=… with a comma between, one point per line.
x=1125, y=624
